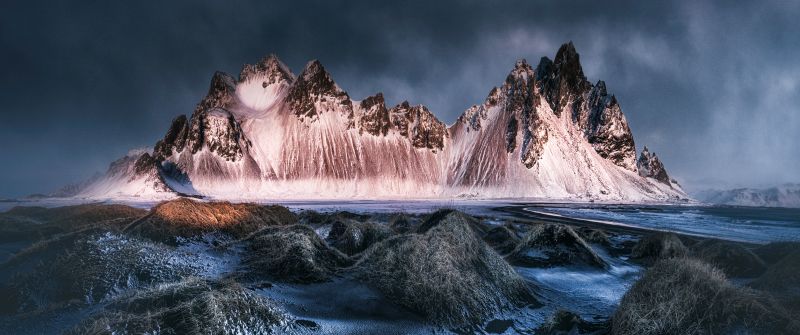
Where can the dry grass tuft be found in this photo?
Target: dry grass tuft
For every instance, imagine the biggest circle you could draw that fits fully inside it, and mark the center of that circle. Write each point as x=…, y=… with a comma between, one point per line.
x=592, y=235
x=658, y=246
x=782, y=280
x=445, y=272
x=732, y=258
x=553, y=245
x=687, y=296
x=185, y=218
x=502, y=239
x=401, y=223
x=189, y=307
x=352, y=237
x=293, y=254
x=773, y=252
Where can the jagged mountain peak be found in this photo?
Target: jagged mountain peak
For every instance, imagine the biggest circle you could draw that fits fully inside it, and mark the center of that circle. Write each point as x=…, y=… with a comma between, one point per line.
x=317, y=78
x=544, y=69
x=373, y=100
x=475, y=114
x=269, y=69
x=314, y=70
x=374, y=115
x=601, y=87
x=651, y=167
x=315, y=92
x=306, y=137
x=494, y=96
x=568, y=65
x=521, y=73
x=562, y=80
x=174, y=140
x=221, y=92
x=419, y=124
x=568, y=59
x=222, y=79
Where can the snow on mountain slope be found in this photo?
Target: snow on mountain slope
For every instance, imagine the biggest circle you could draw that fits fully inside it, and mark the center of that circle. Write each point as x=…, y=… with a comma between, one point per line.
x=786, y=195
x=133, y=176
x=546, y=132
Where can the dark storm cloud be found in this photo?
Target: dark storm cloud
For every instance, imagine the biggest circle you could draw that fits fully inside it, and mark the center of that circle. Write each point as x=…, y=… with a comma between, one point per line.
x=713, y=89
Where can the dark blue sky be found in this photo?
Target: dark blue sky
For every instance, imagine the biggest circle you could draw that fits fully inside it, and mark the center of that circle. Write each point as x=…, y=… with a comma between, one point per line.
x=712, y=88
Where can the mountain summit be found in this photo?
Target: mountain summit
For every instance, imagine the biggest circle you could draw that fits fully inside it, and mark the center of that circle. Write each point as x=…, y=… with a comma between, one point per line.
x=546, y=132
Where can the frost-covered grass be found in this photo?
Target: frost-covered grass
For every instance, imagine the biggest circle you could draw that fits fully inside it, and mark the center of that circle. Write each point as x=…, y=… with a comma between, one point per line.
x=192, y=306
x=88, y=270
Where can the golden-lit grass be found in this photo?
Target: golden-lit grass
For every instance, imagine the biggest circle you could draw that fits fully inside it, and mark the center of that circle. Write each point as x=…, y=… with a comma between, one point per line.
x=185, y=218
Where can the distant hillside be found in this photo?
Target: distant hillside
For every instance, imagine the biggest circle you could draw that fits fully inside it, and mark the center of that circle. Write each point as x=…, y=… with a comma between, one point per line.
x=786, y=195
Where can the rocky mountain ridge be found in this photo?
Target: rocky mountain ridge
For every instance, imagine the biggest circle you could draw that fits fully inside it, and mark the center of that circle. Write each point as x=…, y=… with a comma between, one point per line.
x=545, y=132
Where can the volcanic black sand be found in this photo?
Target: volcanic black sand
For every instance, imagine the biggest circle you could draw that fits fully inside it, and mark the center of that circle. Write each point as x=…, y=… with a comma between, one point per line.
x=189, y=266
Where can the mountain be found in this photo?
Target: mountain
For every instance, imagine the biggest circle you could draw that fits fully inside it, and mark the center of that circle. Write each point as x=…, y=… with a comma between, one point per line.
x=651, y=167
x=786, y=195
x=546, y=132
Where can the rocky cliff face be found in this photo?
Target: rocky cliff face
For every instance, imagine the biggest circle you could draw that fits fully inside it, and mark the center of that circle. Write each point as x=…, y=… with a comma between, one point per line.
x=270, y=70
x=419, y=125
x=374, y=118
x=606, y=128
x=544, y=132
x=315, y=92
x=651, y=167
x=593, y=110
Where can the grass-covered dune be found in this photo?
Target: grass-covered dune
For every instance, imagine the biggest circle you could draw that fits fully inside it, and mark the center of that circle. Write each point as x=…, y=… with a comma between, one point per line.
x=445, y=272
x=186, y=218
x=688, y=296
x=192, y=306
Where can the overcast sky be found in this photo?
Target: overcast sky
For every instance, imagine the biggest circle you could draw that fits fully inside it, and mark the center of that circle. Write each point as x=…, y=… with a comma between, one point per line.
x=712, y=89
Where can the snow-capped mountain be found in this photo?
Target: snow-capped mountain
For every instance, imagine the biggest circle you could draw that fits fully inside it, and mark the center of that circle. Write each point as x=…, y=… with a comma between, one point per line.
x=786, y=195
x=546, y=132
